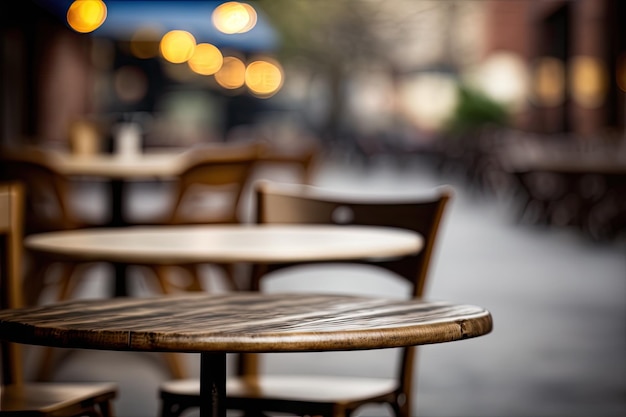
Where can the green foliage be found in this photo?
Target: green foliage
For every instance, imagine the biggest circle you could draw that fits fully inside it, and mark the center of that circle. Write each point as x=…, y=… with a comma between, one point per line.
x=475, y=110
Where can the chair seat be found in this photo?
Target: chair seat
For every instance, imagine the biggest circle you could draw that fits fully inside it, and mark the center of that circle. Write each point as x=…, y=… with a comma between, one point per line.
x=54, y=399
x=312, y=388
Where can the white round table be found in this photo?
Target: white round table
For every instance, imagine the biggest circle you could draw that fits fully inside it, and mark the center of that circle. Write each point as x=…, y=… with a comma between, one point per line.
x=227, y=243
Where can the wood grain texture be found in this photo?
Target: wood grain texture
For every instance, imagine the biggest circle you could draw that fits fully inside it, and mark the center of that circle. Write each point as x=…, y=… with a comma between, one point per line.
x=244, y=322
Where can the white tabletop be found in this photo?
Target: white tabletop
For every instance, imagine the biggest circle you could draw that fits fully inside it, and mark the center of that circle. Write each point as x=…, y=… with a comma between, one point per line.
x=135, y=166
x=228, y=243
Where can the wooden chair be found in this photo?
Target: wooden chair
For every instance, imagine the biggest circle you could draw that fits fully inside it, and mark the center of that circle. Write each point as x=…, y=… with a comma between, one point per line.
x=331, y=396
x=16, y=396
x=209, y=190
x=48, y=208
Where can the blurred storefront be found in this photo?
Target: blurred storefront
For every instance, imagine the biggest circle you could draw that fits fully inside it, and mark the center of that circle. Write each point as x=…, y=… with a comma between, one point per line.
x=557, y=65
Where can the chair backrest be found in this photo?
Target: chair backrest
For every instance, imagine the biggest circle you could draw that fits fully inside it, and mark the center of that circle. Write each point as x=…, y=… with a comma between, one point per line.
x=212, y=184
x=298, y=203
x=47, y=190
x=11, y=218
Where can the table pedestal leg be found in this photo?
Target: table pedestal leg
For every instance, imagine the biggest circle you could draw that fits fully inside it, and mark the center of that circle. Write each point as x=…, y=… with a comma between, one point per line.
x=213, y=384
x=120, y=286
x=117, y=205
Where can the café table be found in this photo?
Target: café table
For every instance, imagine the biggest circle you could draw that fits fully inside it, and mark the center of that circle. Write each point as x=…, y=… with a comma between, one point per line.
x=238, y=322
x=158, y=164
x=224, y=244
x=576, y=183
x=118, y=170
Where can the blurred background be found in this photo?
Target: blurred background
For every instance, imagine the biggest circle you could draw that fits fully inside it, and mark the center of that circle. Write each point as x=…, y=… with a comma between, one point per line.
x=488, y=89
x=364, y=77
x=521, y=105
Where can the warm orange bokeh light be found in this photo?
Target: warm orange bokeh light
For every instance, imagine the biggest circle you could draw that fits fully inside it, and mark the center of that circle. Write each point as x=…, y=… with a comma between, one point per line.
x=234, y=17
x=85, y=16
x=206, y=59
x=549, y=82
x=264, y=78
x=232, y=73
x=252, y=18
x=177, y=46
x=588, y=81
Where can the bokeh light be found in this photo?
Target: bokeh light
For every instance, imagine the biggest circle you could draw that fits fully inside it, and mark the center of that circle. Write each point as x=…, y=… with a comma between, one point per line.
x=264, y=78
x=588, y=81
x=252, y=18
x=549, y=82
x=144, y=43
x=428, y=99
x=206, y=59
x=232, y=73
x=85, y=16
x=504, y=78
x=177, y=46
x=234, y=17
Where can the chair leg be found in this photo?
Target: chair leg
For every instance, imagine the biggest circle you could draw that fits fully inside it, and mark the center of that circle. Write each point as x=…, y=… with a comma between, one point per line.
x=34, y=280
x=174, y=364
x=45, y=370
x=160, y=272
x=194, y=272
x=231, y=279
x=66, y=282
x=106, y=409
x=46, y=365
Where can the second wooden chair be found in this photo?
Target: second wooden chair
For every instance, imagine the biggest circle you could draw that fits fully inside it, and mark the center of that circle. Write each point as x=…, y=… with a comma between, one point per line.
x=209, y=190
x=325, y=395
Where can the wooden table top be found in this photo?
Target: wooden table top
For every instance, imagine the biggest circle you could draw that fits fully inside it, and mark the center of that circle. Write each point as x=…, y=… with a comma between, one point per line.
x=157, y=163
x=227, y=243
x=243, y=322
x=136, y=166
x=568, y=162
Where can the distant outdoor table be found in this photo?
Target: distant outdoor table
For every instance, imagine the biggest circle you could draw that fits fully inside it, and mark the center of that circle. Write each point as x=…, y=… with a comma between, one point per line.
x=214, y=325
x=119, y=169
x=157, y=164
x=178, y=245
x=589, y=186
x=572, y=162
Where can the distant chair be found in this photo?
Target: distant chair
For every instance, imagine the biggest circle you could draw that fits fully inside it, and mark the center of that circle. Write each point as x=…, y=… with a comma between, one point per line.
x=209, y=190
x=18, y=397
x=282, y=151
x=324, y=395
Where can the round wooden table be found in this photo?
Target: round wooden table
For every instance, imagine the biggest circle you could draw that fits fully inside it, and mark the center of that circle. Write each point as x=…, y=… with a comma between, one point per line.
x=233, y=243
x=182, y=244
x=214, y=325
